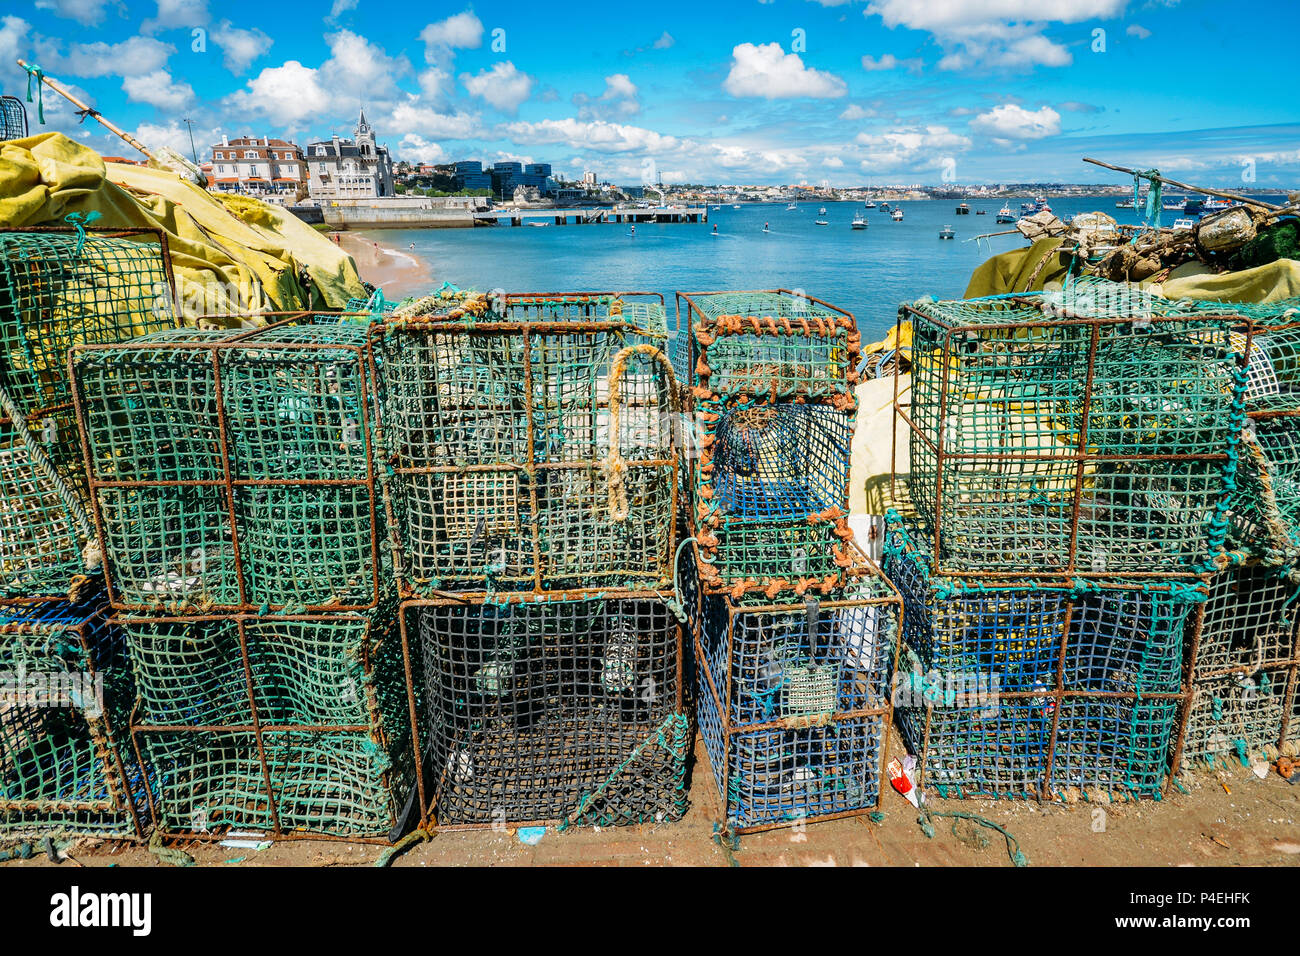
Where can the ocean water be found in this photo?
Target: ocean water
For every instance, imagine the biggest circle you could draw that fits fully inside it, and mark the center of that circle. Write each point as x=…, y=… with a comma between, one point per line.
x=868, y=272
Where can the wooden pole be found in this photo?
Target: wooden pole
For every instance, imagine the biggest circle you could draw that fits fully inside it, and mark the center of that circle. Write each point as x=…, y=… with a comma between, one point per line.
x=88, y=111
x=1196, y=189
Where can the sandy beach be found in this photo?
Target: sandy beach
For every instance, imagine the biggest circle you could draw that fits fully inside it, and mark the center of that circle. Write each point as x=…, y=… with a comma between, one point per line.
x=398, y=272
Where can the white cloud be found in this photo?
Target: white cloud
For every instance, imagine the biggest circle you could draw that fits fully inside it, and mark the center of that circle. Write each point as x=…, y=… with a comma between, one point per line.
x=994, y=33
x=284, y=95
x=503, y=86
x=131, y=57
x=359, y=68
x=158, y=89
x=1141, y=32
x=174, y=14
x=13, y=38
x=664, y=42
x=86, y=12
x=618, y=101
x=423, y=120
x=464, y=31
x=1009, y=122
x=240, y=47
x=339, y=8
x=596, y=135
x=890, y=62
x=417, y=149
x=770, y=72
x=856, y=112
x=176, y=136
x=914, y=148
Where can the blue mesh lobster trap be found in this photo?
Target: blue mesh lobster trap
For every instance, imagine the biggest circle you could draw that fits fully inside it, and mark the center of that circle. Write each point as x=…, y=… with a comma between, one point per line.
x=1040, y=690
x=792, y=698
x=66, y=766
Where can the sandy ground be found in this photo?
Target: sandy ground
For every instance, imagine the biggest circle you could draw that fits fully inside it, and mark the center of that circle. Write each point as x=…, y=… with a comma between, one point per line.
x=398, y=272
x=1226, y=818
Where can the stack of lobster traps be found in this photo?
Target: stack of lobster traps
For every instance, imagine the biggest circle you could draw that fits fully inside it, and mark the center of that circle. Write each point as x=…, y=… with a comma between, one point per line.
x=231, y=483
x=66, y=766
x=526, y=456
x=1243, y=706
x=1074, y=457
x=794, y=629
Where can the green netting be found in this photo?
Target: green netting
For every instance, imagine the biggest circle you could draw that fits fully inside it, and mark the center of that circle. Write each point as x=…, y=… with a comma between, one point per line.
x=1030, y=449
x=563, y=711
x=1273, y=373
x=59, y=289
x=1265, y=515
x=1025, y=689
x=519, y=456
x=641, y=310
x=66, y=766
x=776, y=346
x=770, y=497
x=211, y=445
x=286, y=726
x=793, y=698
x=13, y=118
x=1243, y=690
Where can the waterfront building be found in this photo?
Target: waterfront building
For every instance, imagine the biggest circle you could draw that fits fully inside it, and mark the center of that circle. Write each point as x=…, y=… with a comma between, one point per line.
x=357, y=168
x=273, y=170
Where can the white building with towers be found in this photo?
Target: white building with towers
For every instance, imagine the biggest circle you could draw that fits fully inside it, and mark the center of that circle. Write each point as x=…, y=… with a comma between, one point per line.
x=356, y=168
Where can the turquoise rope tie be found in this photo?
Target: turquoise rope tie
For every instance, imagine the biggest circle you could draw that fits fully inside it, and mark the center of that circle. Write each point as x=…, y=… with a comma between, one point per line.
x=79, y=221
x=36, y=73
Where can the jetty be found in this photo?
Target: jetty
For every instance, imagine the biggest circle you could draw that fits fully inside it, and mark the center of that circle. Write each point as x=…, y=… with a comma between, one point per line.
x=582, y=217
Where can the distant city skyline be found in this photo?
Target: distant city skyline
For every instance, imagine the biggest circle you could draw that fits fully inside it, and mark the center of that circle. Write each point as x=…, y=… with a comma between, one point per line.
x=780, y=92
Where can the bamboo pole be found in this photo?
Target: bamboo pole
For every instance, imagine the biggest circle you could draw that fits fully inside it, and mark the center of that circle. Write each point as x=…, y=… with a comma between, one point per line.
x=1196, y=189
x=86, y=110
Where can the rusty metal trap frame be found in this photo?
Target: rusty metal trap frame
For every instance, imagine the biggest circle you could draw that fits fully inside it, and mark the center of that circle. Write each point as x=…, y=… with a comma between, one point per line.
x=642, y=310
x=793, y=697
x=1086, y=433
x=66, y=768
x=528, y=455
x=231, y=470
x=1041, y=689
x=773, y=345
x=59, y=287
x=1243, y=701
x=556, y=711
x=290, y=727
x=13, y=118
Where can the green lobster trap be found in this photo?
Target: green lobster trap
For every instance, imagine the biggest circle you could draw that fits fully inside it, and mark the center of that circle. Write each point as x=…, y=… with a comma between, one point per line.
x=524, y=455
x=1040, y=690
x=294, y=726
x=66, y=768
x=230, y=470
x=1244, y=678
x=793, y=698
x=1090, y=432
x=564, y=711
x=61, y=287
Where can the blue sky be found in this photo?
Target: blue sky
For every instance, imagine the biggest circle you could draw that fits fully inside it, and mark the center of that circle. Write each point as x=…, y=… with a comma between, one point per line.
x=885, y=91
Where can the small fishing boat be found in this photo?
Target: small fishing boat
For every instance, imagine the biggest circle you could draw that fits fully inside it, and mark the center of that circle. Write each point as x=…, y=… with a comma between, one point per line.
x=963, y=209
x=869, y=204
x=1005, y=214
x=822, y=211
x=1124, y=204
x=736, y=206
x=1216, y=204
x=538, y=225
x=981, y=212
x=792, y=206
x=896, y=214
x=1174, y=205
x=1185, y=223
x=859, y=221
x=821, y=222
x=884, y=206
x=947, y=232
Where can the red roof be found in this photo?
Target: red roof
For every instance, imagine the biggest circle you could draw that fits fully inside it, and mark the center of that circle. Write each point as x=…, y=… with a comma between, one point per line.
x=231, y=179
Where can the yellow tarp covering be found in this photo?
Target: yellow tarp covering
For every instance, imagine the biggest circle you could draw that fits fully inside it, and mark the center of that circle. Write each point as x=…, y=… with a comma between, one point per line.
x=1267, y=283
x=1014, y=271
x=231, y=256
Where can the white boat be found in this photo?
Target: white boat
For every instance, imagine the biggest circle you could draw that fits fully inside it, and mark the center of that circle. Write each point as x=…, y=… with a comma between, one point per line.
x=538, y=225
x=896, y=214
x=1005, y=214
x=736, y=206
x=822, y=211
x=947, y=232
x=1184, y=223
x=869, y=204
x=859, y=221
x=792, y=206
x=821, y=222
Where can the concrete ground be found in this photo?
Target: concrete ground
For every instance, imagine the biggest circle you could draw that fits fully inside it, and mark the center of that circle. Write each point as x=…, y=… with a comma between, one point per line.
x=1226, y=818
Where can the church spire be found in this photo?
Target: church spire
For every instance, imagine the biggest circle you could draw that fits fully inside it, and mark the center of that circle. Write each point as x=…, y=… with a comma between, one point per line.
x=362, y=125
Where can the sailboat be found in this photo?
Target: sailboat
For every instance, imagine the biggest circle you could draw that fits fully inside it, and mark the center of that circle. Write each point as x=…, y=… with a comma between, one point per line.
x=869, y=204
x=792, y=206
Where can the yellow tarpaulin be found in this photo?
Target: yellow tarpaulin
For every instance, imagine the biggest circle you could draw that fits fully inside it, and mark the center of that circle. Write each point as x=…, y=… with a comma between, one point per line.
x=1267, y=283
x=231, y=256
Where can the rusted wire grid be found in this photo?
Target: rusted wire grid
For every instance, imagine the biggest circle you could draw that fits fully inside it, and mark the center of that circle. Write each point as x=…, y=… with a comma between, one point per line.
x=525, y=455
x=1243, y=700
x=65, y=768
x=1041, y=689
x=1023, y=455
x=793, y=698
x=565, y=710
x=231, y=470
x=60, y=286
x=294, y=727
x=642, y=310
